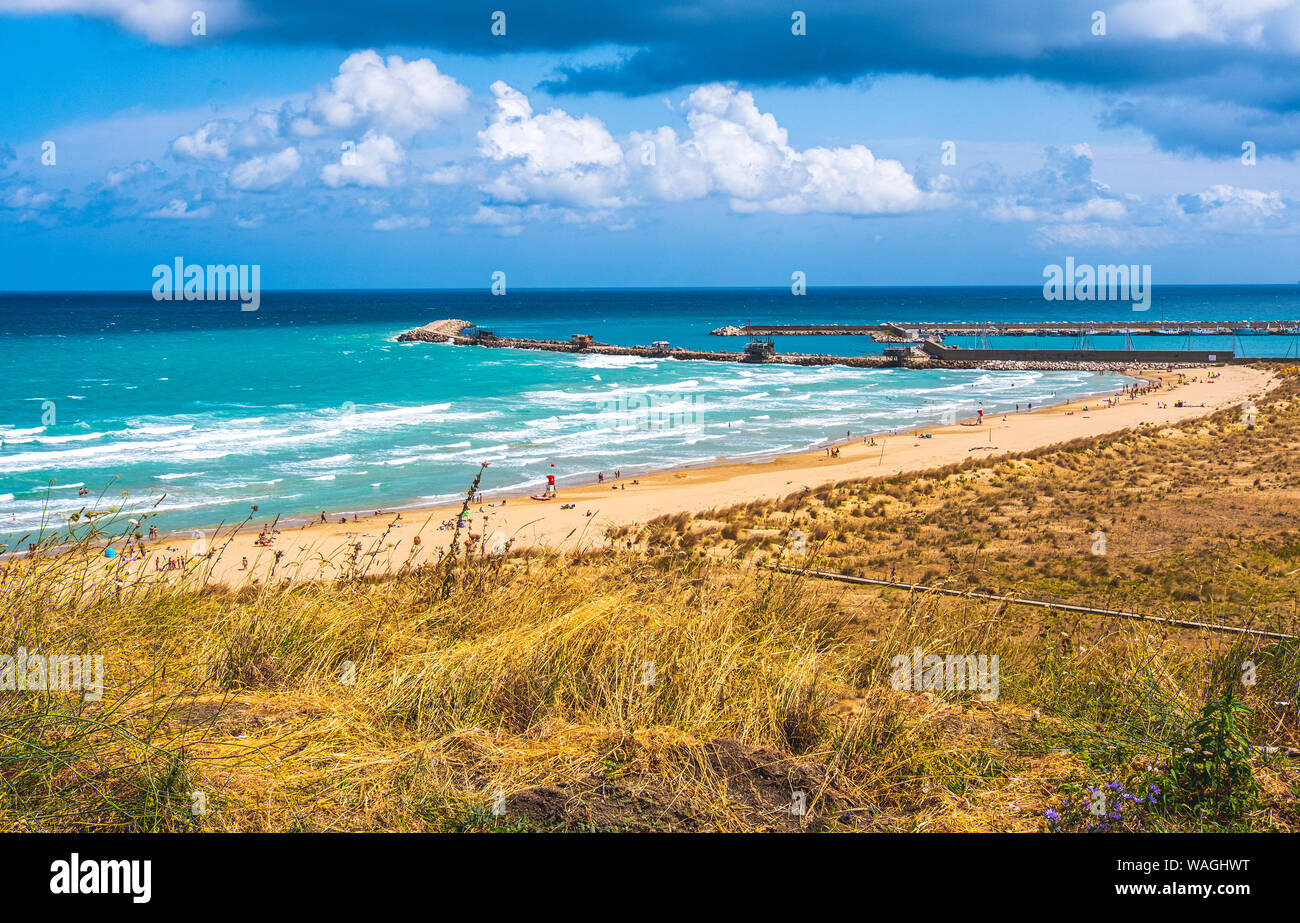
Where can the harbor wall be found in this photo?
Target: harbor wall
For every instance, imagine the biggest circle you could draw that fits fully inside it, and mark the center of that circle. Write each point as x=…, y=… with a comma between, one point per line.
x=930, y=354
x=1130, y=356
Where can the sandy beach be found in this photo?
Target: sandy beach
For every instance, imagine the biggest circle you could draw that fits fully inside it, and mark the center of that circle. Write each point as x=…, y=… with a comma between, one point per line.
x=322, y=550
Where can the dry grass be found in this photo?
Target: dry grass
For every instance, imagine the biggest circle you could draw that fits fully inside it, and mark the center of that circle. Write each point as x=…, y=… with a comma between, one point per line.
x=684, y=686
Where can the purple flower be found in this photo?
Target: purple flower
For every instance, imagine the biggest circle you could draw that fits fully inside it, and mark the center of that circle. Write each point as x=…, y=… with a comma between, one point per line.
x=1053, y=816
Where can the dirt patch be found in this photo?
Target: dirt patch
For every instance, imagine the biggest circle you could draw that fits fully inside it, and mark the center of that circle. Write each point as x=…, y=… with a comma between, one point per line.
x=760, y=790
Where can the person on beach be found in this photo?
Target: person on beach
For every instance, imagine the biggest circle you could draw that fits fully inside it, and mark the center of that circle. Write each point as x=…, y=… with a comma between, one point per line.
x=550, y=485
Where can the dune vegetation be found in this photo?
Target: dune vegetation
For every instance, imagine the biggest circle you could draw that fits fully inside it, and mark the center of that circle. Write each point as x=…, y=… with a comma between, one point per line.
x=686, y=684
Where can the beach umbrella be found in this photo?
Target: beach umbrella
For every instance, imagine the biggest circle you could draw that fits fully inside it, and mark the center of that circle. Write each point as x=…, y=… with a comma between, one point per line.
x=110, y=552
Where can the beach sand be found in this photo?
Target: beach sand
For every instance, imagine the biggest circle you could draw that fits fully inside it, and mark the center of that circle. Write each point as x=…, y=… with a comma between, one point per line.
x=324, y=550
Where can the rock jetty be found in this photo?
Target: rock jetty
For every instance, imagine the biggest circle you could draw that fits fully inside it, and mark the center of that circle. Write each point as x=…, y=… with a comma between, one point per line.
x=440, y=331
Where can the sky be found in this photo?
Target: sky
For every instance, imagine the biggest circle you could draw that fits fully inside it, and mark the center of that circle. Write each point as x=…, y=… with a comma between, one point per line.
x=399, y=144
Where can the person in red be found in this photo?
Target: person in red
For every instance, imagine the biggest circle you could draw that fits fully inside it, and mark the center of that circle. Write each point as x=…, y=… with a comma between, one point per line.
x=981, y=413
x=550, y=485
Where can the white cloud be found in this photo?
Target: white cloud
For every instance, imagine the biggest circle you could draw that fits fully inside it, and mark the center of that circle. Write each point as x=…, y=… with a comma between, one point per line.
x=206, y=143
x=167, y=22
x=262, y=173
x=1164, y=220
x=1062, y=190
x=552, y=157
x=674, y=170
x=26, y=197
x=450, y=175
x=400, y=223
x=220, y=138
x=368, y=165
x=746, y=151
x=1248, y=22
x=393, y=96
x=180, y=209
x=1097, y=210
x=115, y=178
x=508, y=220
x=732, y=149
x=1223, y=207
x=736, y=150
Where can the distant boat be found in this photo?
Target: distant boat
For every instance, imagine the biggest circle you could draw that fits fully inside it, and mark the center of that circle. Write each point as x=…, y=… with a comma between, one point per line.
x=1202, y=331
x=1166, y=332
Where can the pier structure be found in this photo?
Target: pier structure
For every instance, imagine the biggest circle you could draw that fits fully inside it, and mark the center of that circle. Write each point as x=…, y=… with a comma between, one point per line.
x=928, y=354
x=1126, y=356
x=915, y=332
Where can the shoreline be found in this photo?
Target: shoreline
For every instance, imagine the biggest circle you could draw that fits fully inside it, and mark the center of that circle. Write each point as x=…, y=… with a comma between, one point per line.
x=309, y=550
x=584, y=480
x=580, y=480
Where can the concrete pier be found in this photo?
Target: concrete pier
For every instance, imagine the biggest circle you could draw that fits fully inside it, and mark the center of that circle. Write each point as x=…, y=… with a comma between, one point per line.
x=928, y=355
x=917, y=331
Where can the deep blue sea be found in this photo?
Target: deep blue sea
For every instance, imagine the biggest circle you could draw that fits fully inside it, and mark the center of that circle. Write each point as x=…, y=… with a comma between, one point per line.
x=308, y=404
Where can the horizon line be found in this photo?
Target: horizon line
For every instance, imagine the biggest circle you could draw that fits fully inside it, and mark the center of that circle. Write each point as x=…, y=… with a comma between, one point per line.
x=641, y=287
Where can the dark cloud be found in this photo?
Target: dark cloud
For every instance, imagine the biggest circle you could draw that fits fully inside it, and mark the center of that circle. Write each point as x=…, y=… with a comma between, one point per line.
x=654, y=47
x=1214, y=129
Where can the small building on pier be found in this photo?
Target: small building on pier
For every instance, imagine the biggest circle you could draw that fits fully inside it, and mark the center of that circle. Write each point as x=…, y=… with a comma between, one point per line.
x=759, y=350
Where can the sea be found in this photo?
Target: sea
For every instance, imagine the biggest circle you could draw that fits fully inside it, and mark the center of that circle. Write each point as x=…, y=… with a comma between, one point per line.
x=197, y=411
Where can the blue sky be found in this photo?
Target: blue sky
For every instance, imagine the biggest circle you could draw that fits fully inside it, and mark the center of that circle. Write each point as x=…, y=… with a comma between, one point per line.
x=390, y=145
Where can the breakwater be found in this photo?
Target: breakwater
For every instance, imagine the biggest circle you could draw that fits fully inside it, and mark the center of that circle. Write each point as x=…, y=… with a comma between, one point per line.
x=927, y=355
x=916, y=330
x=1075, y=356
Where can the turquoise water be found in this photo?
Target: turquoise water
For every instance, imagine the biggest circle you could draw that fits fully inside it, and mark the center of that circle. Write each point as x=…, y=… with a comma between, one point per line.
x=310, y=405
